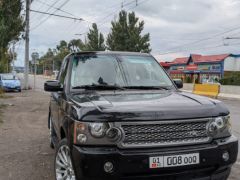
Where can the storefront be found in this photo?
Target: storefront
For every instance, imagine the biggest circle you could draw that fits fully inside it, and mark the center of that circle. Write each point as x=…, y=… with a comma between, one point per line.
x=197, y=68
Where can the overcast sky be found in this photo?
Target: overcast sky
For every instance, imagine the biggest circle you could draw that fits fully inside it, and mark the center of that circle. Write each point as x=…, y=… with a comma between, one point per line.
x=177, y=27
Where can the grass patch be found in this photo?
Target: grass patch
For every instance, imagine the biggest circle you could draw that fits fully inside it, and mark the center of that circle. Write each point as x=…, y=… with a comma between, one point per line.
x=2, y=106
x=3, y=95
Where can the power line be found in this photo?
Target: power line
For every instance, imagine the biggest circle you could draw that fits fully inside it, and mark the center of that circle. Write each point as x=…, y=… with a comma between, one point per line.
x=39, y=24
x=49, y=5
x=114, y=13
x=57, y=15
x=105, y=17
x=125, y=5
x=211, y=47
x=201, y=40
x=138, y=4
x=35, y=15
x=48, y=9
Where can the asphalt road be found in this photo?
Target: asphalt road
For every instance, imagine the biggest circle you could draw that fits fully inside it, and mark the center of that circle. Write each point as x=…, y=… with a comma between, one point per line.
x=29, y=114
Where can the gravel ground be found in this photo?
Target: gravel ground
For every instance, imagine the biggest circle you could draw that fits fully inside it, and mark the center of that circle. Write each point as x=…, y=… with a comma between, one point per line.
x=24, y=149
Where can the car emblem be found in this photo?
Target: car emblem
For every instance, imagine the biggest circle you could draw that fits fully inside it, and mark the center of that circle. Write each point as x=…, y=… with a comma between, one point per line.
x=193, y=133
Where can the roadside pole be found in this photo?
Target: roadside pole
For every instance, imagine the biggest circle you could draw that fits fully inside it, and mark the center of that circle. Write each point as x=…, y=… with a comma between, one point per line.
x=13, y=59
x=35, y=57
x=27, y=45
x=35, y=72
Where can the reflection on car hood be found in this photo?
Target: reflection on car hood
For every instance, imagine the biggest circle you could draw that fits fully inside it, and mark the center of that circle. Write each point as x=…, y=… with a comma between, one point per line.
x=146, y=105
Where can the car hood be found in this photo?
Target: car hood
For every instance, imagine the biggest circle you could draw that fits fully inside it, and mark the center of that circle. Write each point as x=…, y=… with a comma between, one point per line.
x=11, y=82
x=145, y=105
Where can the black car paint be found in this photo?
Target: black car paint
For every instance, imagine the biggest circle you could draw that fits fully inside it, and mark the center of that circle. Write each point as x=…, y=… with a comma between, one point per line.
x=70, y=105
x=145, y=106
x=134, y=163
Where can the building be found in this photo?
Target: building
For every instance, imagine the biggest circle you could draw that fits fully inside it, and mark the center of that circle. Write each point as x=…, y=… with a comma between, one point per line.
x=197, y=68
x=165, y=65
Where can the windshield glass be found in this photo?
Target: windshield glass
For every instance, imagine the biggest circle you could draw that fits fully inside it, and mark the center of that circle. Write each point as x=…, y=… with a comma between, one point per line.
x=144, y=71
x=124, y=71
x=8, y=77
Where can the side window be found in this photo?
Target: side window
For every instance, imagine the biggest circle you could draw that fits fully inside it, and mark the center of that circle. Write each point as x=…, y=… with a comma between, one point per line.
x=63, y=71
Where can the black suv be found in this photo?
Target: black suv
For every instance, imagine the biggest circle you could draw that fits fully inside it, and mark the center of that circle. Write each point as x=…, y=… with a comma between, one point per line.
x=118, y=115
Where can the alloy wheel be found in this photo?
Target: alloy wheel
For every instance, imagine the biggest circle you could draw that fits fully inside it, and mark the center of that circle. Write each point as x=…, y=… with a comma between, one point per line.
x=63, y=164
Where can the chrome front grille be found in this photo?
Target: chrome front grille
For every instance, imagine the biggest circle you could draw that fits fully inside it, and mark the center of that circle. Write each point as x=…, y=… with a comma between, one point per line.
x=164, y=133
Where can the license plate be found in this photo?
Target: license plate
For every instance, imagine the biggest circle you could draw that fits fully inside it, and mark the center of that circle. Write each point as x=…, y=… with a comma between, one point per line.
x=173, y=160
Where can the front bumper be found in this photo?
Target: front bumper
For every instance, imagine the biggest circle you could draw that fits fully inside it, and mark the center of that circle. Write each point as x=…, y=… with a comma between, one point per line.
x=7, y=88
x=134, y=163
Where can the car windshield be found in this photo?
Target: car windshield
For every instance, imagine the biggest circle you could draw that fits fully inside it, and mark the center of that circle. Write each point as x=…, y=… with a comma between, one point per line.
x=120, y=71
x=8, y=77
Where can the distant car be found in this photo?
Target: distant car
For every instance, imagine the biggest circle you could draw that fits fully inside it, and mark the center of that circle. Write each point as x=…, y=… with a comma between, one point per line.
x=10, y=82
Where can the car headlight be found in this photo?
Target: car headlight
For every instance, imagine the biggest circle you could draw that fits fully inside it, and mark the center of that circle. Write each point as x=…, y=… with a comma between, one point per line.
x=219, y=127
x=98, y=130
x=86, y=133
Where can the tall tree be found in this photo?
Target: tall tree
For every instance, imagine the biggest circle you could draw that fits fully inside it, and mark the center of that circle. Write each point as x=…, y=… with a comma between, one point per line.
x=95, y=40
x=63, y=46
x=76, y=45
x=62, y=50
x=126, y=34
x=11, y=25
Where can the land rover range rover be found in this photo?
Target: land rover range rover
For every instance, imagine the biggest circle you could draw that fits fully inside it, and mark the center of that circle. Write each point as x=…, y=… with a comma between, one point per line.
x=118, y=115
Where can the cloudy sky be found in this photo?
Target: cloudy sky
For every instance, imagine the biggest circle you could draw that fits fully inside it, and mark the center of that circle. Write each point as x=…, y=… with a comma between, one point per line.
x=177, y=27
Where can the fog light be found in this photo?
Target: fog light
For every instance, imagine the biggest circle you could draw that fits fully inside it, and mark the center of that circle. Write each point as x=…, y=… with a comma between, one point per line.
x=113, y=134
x=108, y=167
x=225, y=156
x=82, y=138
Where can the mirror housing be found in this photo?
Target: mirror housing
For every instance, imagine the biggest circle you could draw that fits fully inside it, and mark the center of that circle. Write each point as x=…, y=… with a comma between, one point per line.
x=52, y=86
x=178, y=83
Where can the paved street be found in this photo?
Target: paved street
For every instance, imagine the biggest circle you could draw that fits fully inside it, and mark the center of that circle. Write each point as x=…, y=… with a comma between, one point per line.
x=25, y=152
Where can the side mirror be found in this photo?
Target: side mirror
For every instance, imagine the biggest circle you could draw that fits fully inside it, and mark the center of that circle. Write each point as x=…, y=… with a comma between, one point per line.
x=178, y=83
x=52, y=86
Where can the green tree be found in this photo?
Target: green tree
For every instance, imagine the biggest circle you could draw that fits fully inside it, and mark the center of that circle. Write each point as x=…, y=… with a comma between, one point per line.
x=76, y=45
x=95, y=40
x=126, y=34
x=11, y=25
x=61, y=51
x=63, y=46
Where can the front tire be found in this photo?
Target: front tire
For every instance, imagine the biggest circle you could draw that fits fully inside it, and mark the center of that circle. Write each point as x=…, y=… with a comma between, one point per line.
x=63, y=162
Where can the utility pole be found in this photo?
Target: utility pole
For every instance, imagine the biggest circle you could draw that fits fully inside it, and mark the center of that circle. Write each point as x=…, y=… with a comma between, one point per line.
x=14, y=57
x=27, y=44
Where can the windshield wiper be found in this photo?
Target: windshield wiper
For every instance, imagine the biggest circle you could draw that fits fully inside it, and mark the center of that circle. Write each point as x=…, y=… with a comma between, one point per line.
x=100, y=86
x=148, y=87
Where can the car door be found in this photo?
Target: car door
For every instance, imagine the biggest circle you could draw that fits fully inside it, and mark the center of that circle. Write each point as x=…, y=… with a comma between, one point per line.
x=56, y=98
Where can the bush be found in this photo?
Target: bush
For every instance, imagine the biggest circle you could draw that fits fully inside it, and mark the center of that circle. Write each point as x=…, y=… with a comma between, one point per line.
x=188, y=79
x=233, y=79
